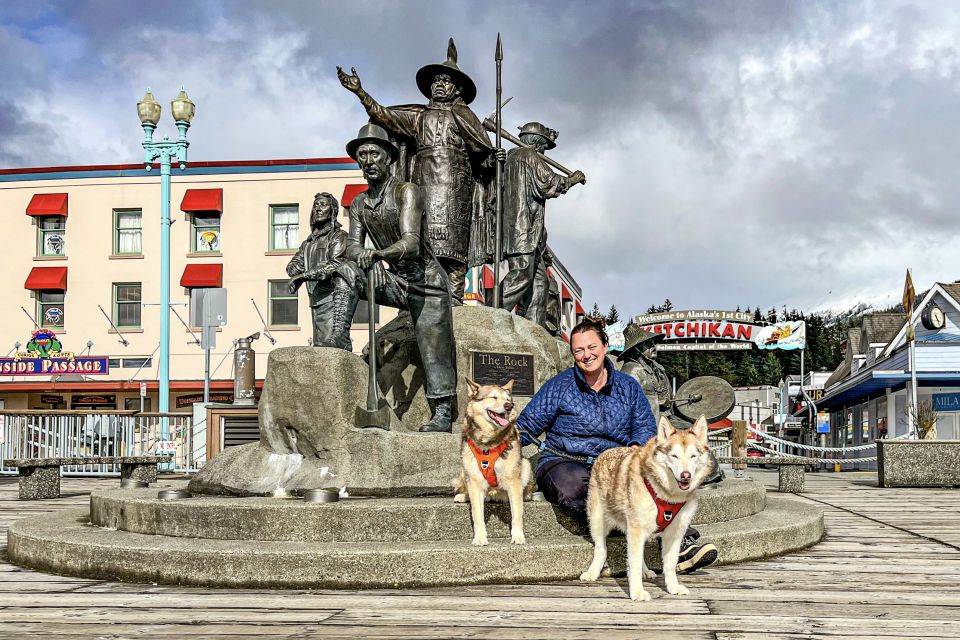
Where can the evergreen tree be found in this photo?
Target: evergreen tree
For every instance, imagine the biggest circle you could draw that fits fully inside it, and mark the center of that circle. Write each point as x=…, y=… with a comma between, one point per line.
x=595, y=311
x=661, y=308
x=613, y=315
x=757, y=316
x=747, y=373
x=770, y=370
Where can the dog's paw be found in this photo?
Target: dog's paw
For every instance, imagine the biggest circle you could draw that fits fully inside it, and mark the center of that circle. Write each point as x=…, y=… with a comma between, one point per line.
x=587, y=576
x=518, y=538
x=639, y=595
x=648, y=574
x=480, y=541
x=460, y=497
x=678, y=590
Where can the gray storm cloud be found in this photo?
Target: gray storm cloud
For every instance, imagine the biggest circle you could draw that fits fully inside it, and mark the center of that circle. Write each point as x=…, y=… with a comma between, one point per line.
x=737, y=152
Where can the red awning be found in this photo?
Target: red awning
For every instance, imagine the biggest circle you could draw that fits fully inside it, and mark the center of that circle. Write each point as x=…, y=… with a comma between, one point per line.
x=202, y=200
x=580, y=311
x=723, y=423
x=202, y=275
x=350, y=192
x=47, y=279
x=47, y=204
x=565, y=293
x=487, y=277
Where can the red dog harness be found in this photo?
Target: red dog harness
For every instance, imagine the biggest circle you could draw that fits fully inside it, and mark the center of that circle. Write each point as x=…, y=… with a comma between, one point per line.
x=486, y=458
x=666, y=511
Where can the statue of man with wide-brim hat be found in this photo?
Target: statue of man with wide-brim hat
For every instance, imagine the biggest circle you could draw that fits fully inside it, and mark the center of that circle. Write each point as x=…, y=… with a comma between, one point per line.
x=528, y=183
x=451, y=158
x=638, y=360
x=389, y=214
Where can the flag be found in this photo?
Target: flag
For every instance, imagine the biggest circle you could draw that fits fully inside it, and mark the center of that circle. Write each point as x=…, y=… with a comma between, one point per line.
x=909, y=293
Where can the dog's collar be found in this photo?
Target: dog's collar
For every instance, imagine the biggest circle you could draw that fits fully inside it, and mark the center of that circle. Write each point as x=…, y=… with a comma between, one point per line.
x=666, y=511
x=487, y=458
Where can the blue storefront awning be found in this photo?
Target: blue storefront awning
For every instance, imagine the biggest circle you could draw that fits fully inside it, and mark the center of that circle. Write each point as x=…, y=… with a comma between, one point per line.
x=871, y=383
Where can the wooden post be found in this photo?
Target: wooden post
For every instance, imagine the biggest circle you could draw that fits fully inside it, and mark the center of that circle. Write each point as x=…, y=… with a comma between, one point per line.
x=738, y=447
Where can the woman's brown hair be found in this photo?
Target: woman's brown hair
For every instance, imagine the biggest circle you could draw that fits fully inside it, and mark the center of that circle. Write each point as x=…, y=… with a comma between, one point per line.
x=591, y=323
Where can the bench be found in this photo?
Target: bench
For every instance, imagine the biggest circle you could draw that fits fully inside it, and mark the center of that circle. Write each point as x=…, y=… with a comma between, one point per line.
x=790, y=470
x=40, y=477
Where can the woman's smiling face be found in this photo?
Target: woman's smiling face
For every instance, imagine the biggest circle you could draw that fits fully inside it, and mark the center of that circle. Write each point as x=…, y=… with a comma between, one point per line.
x=589, y=352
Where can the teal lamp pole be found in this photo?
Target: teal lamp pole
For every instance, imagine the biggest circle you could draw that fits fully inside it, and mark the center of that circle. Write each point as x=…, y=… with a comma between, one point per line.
x=165, y=151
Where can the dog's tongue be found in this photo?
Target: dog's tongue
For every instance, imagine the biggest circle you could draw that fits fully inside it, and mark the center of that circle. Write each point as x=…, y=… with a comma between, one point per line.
x=499, y=419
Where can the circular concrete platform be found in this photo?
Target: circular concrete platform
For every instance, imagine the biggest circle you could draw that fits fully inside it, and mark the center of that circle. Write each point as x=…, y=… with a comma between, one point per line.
x=361, y=519
x=130, y=535
x=66, y=543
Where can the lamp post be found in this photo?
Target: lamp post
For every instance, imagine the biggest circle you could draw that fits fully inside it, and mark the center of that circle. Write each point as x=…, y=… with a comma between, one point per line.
x=165, y=151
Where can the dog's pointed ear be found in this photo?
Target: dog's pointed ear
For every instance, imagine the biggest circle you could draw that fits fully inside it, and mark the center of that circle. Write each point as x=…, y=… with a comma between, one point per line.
x=699, y=429
x=664, y=429
x=473, y=387
x=508, y=387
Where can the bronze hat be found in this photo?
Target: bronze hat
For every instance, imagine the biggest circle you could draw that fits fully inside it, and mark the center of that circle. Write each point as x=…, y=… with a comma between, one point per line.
x=550, y=135
x=426, y=74
x=373, y=133
x=634, y=336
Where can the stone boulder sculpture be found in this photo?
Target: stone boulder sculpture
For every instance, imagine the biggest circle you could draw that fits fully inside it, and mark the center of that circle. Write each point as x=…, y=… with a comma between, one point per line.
x=307, y=413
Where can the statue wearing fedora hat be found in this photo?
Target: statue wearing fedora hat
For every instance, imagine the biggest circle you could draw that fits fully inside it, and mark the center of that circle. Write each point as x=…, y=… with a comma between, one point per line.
x=390, y=214
x=638, y=361
x=452, y=161
x=528, y=184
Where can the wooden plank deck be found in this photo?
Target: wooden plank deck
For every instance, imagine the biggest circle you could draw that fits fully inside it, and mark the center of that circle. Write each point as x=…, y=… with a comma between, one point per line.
x=889, y=567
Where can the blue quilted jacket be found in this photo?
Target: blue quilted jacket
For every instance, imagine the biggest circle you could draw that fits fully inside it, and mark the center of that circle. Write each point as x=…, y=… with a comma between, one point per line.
x=584, y=422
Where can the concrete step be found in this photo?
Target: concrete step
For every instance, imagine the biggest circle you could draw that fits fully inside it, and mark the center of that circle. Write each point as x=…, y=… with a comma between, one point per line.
x=361, y=519
x=66, y=543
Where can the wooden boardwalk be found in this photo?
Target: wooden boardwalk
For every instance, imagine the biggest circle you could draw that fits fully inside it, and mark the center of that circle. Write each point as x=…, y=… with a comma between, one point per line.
x=889, y=567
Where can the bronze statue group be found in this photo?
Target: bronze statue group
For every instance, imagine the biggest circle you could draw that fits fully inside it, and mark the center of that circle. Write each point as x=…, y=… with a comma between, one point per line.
x=428, y=214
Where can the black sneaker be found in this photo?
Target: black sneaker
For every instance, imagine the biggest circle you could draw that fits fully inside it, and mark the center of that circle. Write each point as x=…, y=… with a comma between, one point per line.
x=695, y=555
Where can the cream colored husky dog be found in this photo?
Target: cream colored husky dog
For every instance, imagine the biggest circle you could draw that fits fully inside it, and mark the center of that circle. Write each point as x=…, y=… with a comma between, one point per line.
x=490, y=460
x=647, y=491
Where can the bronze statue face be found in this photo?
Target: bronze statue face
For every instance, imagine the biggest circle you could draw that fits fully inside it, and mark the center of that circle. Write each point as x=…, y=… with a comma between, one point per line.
x=322, y=209
x=538, y=142
x=443, y=89
x=374, y=161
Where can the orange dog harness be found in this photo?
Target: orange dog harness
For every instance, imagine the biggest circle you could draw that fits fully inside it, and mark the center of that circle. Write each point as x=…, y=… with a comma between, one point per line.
x=486, y=458
x=666, y=511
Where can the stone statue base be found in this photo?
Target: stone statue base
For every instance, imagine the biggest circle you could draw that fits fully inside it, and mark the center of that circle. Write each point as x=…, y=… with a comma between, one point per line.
x=308, y=411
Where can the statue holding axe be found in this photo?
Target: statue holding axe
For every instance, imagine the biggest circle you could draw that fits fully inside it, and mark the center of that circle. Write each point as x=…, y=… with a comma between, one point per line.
x=528, y=183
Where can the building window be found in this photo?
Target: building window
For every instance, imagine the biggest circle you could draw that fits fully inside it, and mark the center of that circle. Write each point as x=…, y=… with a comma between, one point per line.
x=206, y=233
x=283, y=305
x=128, y=232
x=133, y=404
x=284, y=226
x=51, y=235
x=50, y=313
x=144, y=362
x=126, y=305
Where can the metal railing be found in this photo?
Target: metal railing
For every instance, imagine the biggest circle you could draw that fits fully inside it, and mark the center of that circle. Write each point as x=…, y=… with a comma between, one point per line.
x=69, y=434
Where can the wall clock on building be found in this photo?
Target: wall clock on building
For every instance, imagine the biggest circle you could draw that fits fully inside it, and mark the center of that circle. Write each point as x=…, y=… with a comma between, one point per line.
x=932, y=317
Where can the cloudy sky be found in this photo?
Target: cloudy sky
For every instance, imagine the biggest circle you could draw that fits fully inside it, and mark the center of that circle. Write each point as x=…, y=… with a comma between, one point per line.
x=768, y=152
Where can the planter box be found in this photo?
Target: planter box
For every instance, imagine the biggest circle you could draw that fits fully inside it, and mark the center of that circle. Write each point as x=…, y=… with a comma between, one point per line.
x=918, y=463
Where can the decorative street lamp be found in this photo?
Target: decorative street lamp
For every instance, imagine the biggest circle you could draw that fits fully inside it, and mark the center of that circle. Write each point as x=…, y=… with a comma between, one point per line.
x=149, y=111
